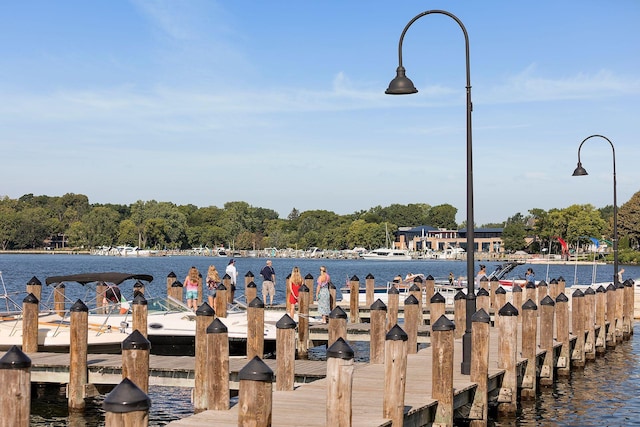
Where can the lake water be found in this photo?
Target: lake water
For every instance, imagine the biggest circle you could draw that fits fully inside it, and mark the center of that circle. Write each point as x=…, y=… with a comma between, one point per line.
x=607, y=392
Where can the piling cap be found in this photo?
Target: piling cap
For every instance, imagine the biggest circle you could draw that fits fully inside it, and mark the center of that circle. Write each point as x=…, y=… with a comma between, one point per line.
x=378, y=305
x=482, y=292
x=226, y=276
x=337, y=313
x=177, y=284
x=577, y=294
x=562, y=298
x=340, y=350
x=369, y=276
x=429, y=277
x=256, y=303
x=126, y=397
x=30, y=299
x=601, y=289
x=249, y=274
x=414, y=287
x=286, y=322
x=553, y=282
x=417, y=279
x=171, y=274
x=256, y=370
x=611, y=287
x=561, y=279
x=437, y=298
x=547, y=301
x=508, y=310
x=396, y=334
x=308, y=276
x=14, y=358
x=138, y=284
x=217, y=327
x=542, y=283
x=136, y=341
x=481, y=316
x=628, y=283
x=589, y=291
x=460, y=295
x=221, y=287
x=411, y=300
x=79, y=306
x=393, y=290
x=530, y=285
x=516, y=288
x=501, y=290
x=34, y=282
x=354, y=278
x=529, y=305
x=330, y=285
x=443, y=324
x=303, y=288
x=252, y=284
x=139, y=299
x=494, y=279
x=205, y=310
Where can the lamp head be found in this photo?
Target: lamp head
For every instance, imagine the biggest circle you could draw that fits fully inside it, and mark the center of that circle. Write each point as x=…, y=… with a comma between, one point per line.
x=401, y=85
x=580, y=171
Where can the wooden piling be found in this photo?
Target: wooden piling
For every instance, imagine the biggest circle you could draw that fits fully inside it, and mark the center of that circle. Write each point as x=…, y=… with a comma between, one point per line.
x=627, y=326
x=547, y=312
x=139, y=314
x=421, y=286
x=101, y=288
x=255, y=397
x=562, y=285
x=204, y=316
x=543, y=291
x=59, y=304
x=339, y=384
x=459, y=313
x=483, y=300
x=395, y=375
x=78, y=376
x=171, y=278
x=217, y=378
x=126, y=406
x=251, y=291
x=286, y=351
x=138, y=288
x=34, y=286
x=530, y=349
x=287, y=296
x=308, y=280
x=229, y=291
x=494, y=285
x=438, y=307
x=135, y=359
x=393, y=298
x=601, y=317
x=619, y=312
x=411, y=316
x=429, y=291
x=220, y=302
x=480, y=333
x=354, y=299
x=416, y=291
x=378, y=330
x=562, y=335
x=553, y=289
x=442, y=370
x=332, y=295
x=370, y=284
x=15, y=393
x=255, y=328
x=611, y=316
x=578, y=329
x=590, y=324
x=30, y=310
x=507, y=323
x=176, y=290
x=201, y=290
x=337, y=327
x=516, y=297
x=249, y=278
x=500, y=295
x=530, y=292
x=303, y=320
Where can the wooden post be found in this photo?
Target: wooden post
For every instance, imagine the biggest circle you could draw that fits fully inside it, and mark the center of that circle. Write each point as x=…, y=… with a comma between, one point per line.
x=30, y=324
x=249, y=278
x=438, y=307
x=590, y=324
x=255, y=328
x=547, y=309
x=530, y=349
x=140, y=310
x=601, y=318
x=286, y=351
x=393, y=298
x=228, y=287
x=553, y=289
x=220, y=301
x=516, y=297
x=171, y=278
x=483, y=300
x=354, y=300
x=627, y=323
x=411, y=307
x=126, y=406
x=416, y=291
x=255, y=398
x=484, y=284
x=201, y=290
x=429, y=291
x=308, y=280
x=531, y=292
x=250, y=292
x=378, y=328
x=417, y=281
x=562, y=335
x=480, y=335
x=611, y=316
x=217, y=378
x=561, y=285
x=442, y=370
x=507, y=359
x=135, y=359
x=34, y=286
x=500, y=295
x=337, y=327
x=101, y=288
x=176, y=290
x=370, y=284
x=459, y=313
x=395, y=375
x=619, y=312
x=15, y=393
x=332, y=295
x=78, y=376
x=543, y=291
x=287, y=282
x=494, y=285
x=339, y=384
x=577, y=328
x=138, y=288
x=204, y=317
x=303, y=321
x=59, y=299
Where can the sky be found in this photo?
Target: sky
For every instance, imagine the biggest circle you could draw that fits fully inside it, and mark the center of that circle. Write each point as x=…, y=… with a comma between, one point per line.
x=281, y=104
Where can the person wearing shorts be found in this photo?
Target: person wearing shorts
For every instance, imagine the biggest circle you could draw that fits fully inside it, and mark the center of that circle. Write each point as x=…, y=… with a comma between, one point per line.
x=269, y=282
x=191, y=283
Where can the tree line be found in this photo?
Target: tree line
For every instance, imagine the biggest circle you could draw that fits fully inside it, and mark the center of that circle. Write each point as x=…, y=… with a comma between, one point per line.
x=27, y=222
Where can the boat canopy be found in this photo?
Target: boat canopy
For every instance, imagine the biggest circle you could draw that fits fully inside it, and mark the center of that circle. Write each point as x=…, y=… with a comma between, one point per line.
x=109, y=277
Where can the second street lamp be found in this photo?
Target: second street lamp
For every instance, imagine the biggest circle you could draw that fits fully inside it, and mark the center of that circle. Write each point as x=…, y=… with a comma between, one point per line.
x=580, y=171
x=402, y=85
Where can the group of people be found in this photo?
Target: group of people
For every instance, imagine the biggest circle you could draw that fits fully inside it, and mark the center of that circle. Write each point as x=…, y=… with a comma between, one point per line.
x=192, y=282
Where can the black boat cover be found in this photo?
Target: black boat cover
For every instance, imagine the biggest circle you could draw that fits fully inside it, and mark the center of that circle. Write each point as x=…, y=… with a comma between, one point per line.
x=109, y=277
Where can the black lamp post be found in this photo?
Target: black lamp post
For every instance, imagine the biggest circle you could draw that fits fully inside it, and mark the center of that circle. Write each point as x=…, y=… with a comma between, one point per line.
x=580, y=171
x=402, y=85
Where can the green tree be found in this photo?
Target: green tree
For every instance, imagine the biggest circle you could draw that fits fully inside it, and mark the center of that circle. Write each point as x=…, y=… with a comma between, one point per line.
x=629, y=220
x=514, y=233
x=442, y=216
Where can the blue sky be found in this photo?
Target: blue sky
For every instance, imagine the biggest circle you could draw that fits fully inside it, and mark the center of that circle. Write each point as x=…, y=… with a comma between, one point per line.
x=281, y=104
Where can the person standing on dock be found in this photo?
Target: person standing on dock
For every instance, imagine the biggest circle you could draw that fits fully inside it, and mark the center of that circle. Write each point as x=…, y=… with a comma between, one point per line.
x=191, y=287
x=295, y=281
x=482, y=273
x=322, y=294
x=233, y=274
x=213, y=280
x=268, y=282
x=530, y=276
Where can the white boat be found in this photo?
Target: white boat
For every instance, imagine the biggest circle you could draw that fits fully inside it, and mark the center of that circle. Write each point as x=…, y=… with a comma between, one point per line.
x=384, y=254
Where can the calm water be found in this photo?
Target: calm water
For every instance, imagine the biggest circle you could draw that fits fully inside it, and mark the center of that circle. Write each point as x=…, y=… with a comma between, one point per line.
x=605, y=394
